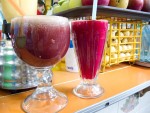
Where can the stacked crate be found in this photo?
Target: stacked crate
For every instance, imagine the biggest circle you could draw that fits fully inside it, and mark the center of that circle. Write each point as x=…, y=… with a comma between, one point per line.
x=123, y=41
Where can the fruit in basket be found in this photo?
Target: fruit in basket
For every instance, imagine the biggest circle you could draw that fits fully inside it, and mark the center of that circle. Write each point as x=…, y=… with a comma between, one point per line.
x=103, y=2
x=114, y=58
x=121, y=35
x=119, y=3
x=122, y=56
x=146, y=6
x=124, y=48
x=65, y=5
x=74, y=3
x=113, y=34
x=124, y=40
x=90, y=2
x=113, y=49
x=126, y=33
x=128, y=55
x=60, y=2
x=136, y=4
x=130, y=47
x=106, y=59
x=120, y=48
x=115, y=41
x=131, y=33
x=130, y=40
x=56, y=8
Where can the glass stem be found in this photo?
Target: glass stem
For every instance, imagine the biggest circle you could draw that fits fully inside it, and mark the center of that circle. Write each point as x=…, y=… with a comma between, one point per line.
x=89, y=81
x=45, y=77
x=45, y=99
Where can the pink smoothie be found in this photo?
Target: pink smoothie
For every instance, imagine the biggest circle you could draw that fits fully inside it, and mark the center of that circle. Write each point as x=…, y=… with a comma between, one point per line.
x=40, y=41
x=89, y=38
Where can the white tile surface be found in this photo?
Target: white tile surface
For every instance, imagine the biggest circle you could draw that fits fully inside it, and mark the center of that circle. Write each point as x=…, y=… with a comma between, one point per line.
x=131, y=104
x=144, y=103
x=145, y=109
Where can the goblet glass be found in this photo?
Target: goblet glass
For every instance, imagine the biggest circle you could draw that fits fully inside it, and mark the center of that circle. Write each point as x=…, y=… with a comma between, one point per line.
x=41, y=42
x=89, y=37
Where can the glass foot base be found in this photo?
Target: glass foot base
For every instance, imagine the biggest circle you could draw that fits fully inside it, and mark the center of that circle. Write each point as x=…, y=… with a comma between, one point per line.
x=88, y=91
x=45, y=100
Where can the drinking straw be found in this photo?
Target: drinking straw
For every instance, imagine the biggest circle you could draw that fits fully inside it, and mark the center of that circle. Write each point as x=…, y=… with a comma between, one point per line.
x=20, y=11
x=94, y=11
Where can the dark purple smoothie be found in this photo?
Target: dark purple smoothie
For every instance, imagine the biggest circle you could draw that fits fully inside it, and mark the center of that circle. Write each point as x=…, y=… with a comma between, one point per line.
x=40, y=41
x=89, y=38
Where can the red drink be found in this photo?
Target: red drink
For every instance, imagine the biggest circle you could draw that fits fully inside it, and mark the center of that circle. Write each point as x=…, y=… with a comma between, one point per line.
x=40, y=41
x=89, y=40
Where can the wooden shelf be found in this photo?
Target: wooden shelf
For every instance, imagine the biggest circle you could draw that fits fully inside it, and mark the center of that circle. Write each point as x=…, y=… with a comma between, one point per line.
x=106, y=11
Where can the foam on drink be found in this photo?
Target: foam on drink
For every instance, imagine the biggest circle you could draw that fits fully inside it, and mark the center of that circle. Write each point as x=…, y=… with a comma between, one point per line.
x=40, y=41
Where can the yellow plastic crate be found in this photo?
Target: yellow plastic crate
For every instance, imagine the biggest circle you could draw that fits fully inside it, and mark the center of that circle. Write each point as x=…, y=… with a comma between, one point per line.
x=123, y=42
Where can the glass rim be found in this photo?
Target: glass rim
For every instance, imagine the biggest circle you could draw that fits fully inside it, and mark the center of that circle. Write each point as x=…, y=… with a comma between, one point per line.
x=100, y=20
x=40, y=16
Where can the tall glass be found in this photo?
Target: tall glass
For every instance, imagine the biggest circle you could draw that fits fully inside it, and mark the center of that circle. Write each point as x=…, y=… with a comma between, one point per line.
x=41, y=42
x=89, y=38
